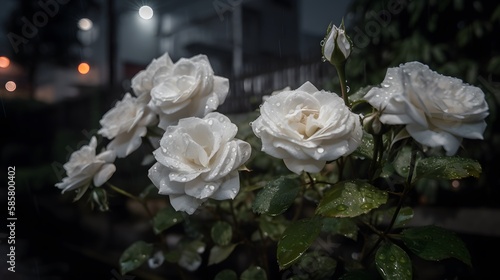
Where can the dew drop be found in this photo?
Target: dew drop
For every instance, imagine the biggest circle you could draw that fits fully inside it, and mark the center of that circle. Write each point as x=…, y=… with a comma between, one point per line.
x=322, y=43
x=210, y=122
x=164, y=150
x=320, y=150
x=278, y=104
x=348, y=89
x=381, y=257
x=174, y=220
x=183, y=179
x=323, y=58
x=341, y=207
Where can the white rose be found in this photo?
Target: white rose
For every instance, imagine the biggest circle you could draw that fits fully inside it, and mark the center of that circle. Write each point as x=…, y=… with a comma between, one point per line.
x=126, y=124
x=187, y=88
x=85, y=167
x=199, y=159
x=336, y=39
x=142, y=82
x=438, y=111
x=307, y=127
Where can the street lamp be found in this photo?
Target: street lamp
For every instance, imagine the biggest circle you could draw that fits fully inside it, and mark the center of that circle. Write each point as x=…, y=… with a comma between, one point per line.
x=146, y=12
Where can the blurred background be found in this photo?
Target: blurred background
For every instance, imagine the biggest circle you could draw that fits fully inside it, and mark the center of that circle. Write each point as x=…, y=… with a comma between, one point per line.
x=63, y=64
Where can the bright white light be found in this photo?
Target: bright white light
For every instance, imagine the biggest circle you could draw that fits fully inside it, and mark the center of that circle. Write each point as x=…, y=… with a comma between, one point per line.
x=146, y=12
x=85, y=24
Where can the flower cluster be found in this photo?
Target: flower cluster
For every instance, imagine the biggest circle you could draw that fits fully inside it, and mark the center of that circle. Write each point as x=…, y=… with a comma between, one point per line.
x=198, y=157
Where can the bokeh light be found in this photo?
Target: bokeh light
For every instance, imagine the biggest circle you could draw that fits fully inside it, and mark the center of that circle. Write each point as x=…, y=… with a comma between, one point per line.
x=10, y=86
x=85, y=24
x=83, y=68
x=146, y=12
x=4, y=62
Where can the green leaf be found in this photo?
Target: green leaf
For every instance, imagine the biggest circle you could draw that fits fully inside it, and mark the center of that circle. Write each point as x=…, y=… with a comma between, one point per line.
x=435, y=244
x=448, y=168
x=221, y=233
x=166, y=218
x=365, y=150
x=277, y=196
x=314, y=265
x=134, y=256
x=296, y=240
x=393, y=263
x=342, y=226
x=226, y=274
x=402, y=161
x=272, y=227
x=350, y=199
x=220, y=253
x=254, y=273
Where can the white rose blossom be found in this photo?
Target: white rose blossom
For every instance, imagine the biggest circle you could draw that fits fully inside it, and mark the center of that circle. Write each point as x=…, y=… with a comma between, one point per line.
x=143, y=81
x=126, y=124
x=199, y=159
x=84, y=167
x=187, y=88
x=307, y=127
x=437, y=110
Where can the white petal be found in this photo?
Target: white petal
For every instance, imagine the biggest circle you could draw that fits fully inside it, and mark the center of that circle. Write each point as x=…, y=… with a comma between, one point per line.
x=435, y=138
x=107, y=156
x=159, y=175
x=103, y=175
x=185, y=203
x=229, y=187
x=201, y=189
x=307, y=87
x=309, y=165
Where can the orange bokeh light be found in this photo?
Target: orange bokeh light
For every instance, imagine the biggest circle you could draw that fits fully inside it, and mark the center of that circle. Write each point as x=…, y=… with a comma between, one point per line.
x=4, y=62
x=10, y=86
x=83, y=68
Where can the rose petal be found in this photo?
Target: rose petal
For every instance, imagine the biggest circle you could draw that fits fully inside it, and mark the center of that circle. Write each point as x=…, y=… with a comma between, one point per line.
x=103, y=175
x=308, y=165
x=185, y=203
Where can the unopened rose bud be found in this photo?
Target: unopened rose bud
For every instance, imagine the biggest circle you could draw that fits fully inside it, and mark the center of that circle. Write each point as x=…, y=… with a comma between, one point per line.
x=337, y=45
x=372, y=124
x=100, y=197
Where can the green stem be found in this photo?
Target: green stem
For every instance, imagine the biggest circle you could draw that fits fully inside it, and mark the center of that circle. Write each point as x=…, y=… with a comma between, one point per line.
x=129, y=195
x=377, y=154
x=343, y=86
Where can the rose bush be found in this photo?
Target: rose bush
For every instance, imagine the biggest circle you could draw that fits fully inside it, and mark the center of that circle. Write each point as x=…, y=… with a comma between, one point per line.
x=437, y=111
x=183, y=89
x=126, y=124
x=307, y=127
x=85, y=167
x=199, y=159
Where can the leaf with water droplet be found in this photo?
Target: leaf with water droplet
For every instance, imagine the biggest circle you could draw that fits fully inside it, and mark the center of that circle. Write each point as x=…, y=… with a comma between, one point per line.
x=254, y=273
x=277, y=196
x=448, y=168
x=134, y=256
x=350, y=199
x=296, y=239
x=166, y=218
x=402, y=161
x=221, y=233
x=434, y=244
x=393, y=263
x=315, y=265
x=220, y=253
x=365, y=150
x=341, y=226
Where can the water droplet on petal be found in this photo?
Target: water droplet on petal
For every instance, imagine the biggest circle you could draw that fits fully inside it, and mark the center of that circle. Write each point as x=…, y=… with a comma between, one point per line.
x=320, y=150
x=322, y=43
x=164, y=150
